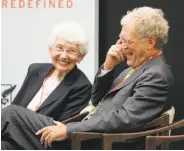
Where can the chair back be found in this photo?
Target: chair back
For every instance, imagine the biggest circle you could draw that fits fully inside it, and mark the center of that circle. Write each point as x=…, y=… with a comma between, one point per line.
x=171, y=113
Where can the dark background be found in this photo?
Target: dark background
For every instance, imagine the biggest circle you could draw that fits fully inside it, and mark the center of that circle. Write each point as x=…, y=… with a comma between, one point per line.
x=110, y=13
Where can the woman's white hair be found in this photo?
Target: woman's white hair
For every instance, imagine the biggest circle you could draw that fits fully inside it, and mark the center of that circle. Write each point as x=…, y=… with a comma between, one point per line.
x=72, y=32
x=148, y=22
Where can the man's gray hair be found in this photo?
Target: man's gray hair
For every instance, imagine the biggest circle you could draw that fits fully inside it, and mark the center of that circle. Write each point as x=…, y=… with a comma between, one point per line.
x=148, y=22
x=72, y=32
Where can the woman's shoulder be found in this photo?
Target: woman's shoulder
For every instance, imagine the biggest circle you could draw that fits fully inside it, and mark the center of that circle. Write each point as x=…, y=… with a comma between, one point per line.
x=39, y=66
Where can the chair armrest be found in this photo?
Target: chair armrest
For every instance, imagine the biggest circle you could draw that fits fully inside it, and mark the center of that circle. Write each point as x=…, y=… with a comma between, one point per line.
x=153, y=141
x=79, y=117
x=75, y=118
x=78, y=137
x=108, y=139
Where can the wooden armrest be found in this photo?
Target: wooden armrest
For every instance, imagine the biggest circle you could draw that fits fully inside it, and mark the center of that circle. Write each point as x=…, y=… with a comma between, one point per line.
x=75, y=118
x=108, y=139
x=79, y=117
x=153, y=141
x=78, y=137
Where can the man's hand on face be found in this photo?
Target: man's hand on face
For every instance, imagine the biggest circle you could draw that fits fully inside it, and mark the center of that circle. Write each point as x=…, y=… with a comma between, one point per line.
x=115, y=55
x=56, y=132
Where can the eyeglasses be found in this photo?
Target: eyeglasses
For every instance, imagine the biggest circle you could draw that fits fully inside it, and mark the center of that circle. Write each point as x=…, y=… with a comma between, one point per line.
x=127, y=41
x=68, y=50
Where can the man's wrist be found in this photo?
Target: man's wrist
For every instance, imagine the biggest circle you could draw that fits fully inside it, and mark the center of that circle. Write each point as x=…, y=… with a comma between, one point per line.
x=108, y=66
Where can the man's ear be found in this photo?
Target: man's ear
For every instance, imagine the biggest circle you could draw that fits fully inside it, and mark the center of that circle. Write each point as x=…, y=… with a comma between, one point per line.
x=151, y=42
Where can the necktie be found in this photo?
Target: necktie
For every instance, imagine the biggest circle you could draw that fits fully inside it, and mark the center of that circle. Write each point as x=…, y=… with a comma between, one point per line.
x=122, y=80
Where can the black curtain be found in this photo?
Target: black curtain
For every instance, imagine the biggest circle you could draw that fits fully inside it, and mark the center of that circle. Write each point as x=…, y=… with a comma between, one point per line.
x=110, y=13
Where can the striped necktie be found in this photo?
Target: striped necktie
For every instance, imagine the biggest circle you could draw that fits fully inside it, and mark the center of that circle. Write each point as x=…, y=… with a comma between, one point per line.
x=122, y=80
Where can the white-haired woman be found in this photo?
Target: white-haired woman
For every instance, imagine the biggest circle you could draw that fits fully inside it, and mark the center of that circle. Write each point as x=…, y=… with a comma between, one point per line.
x=58, y=90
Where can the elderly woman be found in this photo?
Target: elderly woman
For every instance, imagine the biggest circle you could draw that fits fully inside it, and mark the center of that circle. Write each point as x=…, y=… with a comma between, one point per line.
x=58, y=90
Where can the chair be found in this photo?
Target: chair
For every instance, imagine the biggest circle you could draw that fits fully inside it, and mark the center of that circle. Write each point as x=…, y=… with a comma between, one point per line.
x=153, y=141
x=108, y=139
x=124, y=136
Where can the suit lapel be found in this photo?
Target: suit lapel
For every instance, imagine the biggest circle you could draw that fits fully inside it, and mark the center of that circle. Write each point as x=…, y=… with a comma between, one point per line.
x=62, y=89
x=131, y=78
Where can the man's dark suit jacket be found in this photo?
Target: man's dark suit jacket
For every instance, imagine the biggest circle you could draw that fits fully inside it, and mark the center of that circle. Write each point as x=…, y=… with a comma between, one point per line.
x=68, y=98
x=138, y=100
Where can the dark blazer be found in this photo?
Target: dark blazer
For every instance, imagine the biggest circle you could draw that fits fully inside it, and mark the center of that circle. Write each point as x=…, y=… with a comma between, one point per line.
x=138, y=100
x=68, y=99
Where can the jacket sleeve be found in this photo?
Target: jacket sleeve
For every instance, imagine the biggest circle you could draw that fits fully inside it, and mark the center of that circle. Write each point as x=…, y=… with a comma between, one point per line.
x=101, y=86
x=78, y=99
x=147, y=101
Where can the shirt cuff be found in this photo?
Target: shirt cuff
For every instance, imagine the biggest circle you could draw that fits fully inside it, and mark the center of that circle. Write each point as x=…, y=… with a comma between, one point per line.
x=103, y=72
